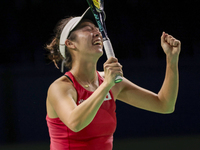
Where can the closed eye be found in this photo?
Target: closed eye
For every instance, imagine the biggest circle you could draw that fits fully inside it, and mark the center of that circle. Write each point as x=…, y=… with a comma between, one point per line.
x=87, y=28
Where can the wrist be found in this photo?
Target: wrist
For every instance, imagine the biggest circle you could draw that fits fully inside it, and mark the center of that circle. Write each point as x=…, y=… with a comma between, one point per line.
x=172, y=60
x=107, y=85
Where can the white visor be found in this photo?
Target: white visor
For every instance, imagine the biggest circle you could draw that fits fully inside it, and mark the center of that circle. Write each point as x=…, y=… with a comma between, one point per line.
x=71, y=25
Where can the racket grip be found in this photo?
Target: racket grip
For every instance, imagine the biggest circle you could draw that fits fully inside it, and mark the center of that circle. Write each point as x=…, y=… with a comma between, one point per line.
x=110, y=53
x=108, y=48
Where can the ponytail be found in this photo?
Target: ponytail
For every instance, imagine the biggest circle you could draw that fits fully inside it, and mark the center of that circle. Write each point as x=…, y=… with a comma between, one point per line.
x=53, y=47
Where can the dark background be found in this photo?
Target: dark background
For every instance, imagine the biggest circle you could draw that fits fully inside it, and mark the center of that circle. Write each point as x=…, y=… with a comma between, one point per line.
x=134, y=27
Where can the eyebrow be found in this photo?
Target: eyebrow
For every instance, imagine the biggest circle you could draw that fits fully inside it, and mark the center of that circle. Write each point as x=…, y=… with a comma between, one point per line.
x=85, y=25
x=90, y=23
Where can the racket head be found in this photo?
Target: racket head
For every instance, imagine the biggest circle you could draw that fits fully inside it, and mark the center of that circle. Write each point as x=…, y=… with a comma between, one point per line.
x=99, y=5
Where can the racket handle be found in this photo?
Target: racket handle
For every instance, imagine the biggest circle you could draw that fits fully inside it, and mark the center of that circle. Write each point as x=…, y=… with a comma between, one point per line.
x=110, y=53
x=108, y=48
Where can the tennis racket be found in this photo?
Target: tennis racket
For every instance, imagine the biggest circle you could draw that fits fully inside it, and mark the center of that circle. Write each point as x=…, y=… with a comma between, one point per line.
x=97, y=7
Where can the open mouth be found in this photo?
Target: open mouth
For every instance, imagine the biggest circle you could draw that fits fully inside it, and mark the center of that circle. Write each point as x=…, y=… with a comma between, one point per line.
x=97, y=43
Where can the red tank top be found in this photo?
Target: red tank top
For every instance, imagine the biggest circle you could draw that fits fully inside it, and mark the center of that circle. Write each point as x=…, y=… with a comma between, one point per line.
x=98, y=135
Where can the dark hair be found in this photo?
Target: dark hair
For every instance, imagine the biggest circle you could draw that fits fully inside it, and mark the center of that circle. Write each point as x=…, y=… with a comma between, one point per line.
x=53, y=47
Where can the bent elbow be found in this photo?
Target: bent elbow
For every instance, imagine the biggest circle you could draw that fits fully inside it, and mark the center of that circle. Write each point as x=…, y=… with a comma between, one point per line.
x=75, y=130
x=75, y=127
x=169, y=110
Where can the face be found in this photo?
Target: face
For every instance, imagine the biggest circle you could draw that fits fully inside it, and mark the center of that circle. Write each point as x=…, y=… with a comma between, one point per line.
x=88, y=39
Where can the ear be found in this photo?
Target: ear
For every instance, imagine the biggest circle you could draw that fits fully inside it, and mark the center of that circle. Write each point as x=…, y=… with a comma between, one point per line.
x=70, y=44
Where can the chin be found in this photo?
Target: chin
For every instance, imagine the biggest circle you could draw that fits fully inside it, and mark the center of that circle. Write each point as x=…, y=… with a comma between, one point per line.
x=99, y=53
x=99, y=50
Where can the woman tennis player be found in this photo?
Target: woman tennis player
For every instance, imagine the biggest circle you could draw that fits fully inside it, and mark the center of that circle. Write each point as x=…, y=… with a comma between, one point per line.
x=81, y=104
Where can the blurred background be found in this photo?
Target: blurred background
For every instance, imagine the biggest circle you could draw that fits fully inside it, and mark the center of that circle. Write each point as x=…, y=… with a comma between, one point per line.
x=134, y=27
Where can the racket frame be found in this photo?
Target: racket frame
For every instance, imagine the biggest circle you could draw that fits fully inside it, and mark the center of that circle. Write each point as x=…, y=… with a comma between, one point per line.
x=97, y=8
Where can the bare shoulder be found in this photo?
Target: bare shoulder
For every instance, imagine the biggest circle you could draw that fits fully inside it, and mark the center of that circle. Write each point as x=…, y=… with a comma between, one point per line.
x=61, y=86
x=62, y=82
x=61, y=95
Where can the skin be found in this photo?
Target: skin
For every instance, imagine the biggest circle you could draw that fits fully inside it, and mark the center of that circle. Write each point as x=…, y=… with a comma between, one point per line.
x=62, y=97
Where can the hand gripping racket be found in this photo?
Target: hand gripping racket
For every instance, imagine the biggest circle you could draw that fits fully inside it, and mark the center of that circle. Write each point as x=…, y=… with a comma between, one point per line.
x=97, y=7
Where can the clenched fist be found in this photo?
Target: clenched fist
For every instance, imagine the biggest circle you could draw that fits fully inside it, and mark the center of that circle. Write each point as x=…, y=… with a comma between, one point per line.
x=171, y=46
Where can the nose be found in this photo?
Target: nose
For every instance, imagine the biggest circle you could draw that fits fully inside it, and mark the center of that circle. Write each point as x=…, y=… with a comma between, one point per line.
x=97, y=32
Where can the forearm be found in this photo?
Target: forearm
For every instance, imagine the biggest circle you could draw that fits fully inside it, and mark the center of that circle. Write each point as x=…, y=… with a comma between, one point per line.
x=84, y=113
x=169, y=91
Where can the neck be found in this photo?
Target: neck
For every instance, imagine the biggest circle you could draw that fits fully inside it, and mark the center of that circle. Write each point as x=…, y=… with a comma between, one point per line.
x=85, y=71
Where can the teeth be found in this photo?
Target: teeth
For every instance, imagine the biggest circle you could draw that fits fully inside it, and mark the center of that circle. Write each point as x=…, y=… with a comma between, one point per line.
x=97, y=42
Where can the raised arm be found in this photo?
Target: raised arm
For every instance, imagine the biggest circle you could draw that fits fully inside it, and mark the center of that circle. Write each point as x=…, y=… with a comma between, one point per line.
x=169, y=90
x=164, y=101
